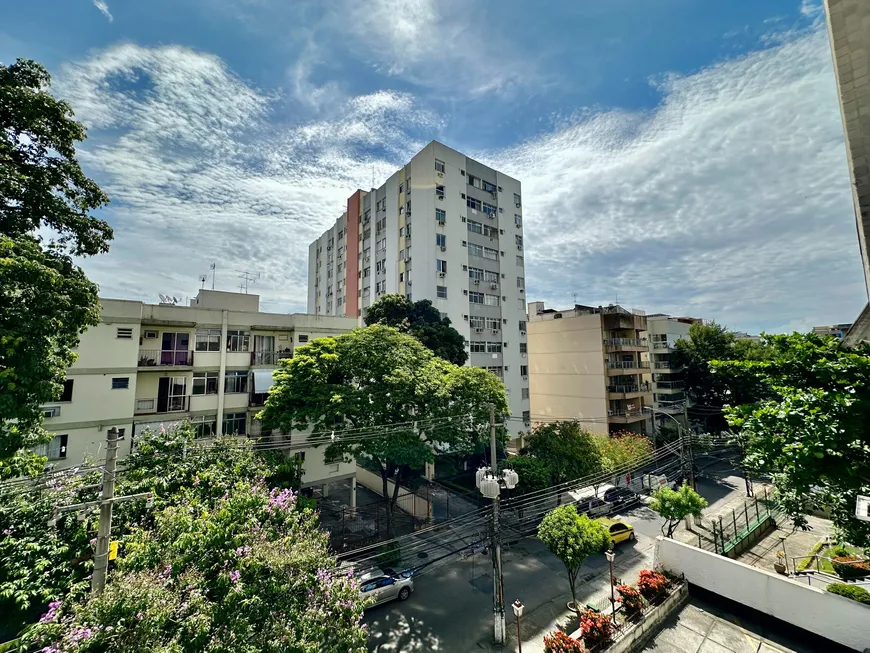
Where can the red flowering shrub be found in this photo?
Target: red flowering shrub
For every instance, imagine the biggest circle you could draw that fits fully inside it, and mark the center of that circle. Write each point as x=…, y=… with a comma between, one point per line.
x=850, y=567
x=559, y=642
x=632, y=601
x=652, y=584
x=596, y=627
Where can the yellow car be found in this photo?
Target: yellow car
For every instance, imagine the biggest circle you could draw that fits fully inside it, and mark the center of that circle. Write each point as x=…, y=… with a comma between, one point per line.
x=619, y=531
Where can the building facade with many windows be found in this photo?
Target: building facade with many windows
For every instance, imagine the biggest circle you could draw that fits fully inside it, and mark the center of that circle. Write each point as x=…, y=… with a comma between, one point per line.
x=210, y=363
x=668, y=385
x=444, y=228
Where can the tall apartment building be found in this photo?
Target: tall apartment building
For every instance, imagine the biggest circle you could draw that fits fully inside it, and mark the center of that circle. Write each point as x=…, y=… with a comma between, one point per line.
x=668, y=387
x=210, y=363
x=589, y=363
x=445, y=228
x=849, y=33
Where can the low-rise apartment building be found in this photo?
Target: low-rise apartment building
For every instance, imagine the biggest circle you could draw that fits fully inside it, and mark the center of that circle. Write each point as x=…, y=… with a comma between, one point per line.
x=834, y=330
x=210, y=363
x=590, y=364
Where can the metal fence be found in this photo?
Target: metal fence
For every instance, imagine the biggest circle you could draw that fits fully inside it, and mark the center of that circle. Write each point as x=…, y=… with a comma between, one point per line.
x=723, y=534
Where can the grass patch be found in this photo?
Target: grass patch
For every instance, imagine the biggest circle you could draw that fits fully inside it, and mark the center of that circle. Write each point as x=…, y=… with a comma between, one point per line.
x=806, y=562
x=830, y=551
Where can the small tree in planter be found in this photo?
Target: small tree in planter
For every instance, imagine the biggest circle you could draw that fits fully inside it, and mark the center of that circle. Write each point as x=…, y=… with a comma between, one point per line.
x=652, y=585
x=596, y=628
x=674, y=505
x=631, y=599
x=559, y=642
x=572, y=538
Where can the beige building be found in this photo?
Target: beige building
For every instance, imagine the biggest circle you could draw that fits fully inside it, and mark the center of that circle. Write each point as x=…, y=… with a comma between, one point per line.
x=210, y=363
x=591, y=364
x=849, y=33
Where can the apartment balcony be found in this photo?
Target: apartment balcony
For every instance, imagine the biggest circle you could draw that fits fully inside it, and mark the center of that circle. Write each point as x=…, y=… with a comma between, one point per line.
x=671, y=406
x=269, y=357
x=620, y=391
x=160, y=405
x=625, y=344
x=669, y=386
x=667, y=365
x=625, y=416
x=162, y=359
x=663, y=346
x=615, y=368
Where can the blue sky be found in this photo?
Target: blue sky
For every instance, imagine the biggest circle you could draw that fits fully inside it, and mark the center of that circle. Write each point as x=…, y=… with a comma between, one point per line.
x=685, y=156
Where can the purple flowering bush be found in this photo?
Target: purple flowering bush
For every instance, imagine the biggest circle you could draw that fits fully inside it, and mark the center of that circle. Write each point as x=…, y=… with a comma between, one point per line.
x=248, y=572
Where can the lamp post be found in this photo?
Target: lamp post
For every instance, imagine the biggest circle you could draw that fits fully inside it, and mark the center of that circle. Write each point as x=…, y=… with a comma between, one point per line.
x=683, y=434
x=610, y=556
x=518, y=611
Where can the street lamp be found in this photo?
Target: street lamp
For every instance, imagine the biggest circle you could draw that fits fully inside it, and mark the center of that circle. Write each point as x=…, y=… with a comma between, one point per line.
x=610, y=556
x=518, y=612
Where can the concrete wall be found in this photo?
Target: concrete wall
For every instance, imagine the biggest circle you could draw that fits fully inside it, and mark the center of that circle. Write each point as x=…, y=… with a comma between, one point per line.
x=566, y=369
x=836, y=618
x=414, y=505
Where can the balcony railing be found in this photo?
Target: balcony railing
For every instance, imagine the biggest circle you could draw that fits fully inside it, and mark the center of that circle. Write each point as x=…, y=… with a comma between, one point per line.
x=672, y=405
x=625, y=342
x=268, y=357
x=663, y=345
x=150, y=406
x=627, y=365
x=642, y=387
x=158, y=357
x=625, y=413
x=670, y=385
x=666, y=365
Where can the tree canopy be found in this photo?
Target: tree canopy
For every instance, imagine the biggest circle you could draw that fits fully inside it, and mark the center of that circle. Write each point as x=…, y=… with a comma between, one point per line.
x=567, y=449
x=811, y=427
x=384, y=384
x=421, y=320
x=621, y=448
x=674, y=505
x=572, y=538
x=46, y=301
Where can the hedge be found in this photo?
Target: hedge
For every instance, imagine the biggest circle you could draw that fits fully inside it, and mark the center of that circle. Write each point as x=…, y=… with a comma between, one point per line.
x=854, y=592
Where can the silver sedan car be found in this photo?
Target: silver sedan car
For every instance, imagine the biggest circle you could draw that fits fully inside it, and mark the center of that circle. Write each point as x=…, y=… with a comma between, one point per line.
x=385, y=585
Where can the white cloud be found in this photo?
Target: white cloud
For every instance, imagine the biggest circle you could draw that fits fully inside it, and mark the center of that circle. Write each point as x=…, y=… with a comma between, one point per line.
x=730, y=201
x=104, y=9
x=200, y=168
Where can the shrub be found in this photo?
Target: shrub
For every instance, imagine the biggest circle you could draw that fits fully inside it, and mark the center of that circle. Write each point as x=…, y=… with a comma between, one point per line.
x=632, y=601
x=652, y=584
x=559, y=642
x=850, y=567
x=853, y=592
x=839, y=551
x=390, y=555
x=596, y=627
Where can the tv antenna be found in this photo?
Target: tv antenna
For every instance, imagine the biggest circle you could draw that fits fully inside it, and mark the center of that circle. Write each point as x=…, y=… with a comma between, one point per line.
x=247, y=279
x=202, y=280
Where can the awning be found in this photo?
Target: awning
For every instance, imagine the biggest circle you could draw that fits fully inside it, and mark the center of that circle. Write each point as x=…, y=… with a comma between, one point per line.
x=262, y=381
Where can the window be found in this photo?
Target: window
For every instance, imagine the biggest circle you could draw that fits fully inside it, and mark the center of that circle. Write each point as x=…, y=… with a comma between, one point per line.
x=476, y=322
x=496, y=369
x=238, y=340
x=120, y=383
x=492, y=232
x=380, y=266
x=524, y=393
x=234, y=423
x=208, y=340
x=475, y=297
x=489, y=209
x=439, y=166
x=51, y=411
x=517, y=199
x=401, y=210
x=475, y=273
x=205, y=426
x=491, y=254
x=381, y=245
x=493, y=348
x=402, y=187
x=124, y=333
x=440, y=240
x=303, y=338
x=519, y=241
x=475, y=250
x=236, y=382
x=205, y=383
x=440, y=216
x=524, y=347
x=66, y=394
x=493, y=323
x=521, y=283
x=475, y=227
x=491, y=300
x=527, y=416
x=524, y=370
x=490, y=277
x=441, y=292
x=473, y=203
x=518, y=220
x=440, y=265
x=439, y=192
x=520, y=261
x=488, y=187
x=474, y=181
x=54, y=449
x=478, y=347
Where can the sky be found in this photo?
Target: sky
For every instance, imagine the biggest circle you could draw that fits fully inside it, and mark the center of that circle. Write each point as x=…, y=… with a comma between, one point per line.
x=678, y=156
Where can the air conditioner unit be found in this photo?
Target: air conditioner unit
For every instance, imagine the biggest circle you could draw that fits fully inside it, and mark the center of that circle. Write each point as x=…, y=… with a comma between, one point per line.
x=477, y=282
x=441, y=274
x=441, y=174
x=440, y=197
x=522, y=290
x=518, y=205
x=519, y=248
x=443, y=248
x=149, y=335
x=525, y=377
x=495, y=330
x=478, y=330
x=493, y=286
x=522, y=333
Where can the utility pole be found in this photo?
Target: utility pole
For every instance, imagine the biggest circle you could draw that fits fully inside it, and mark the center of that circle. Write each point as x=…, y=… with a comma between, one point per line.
x=106, y=502
x=497, y=579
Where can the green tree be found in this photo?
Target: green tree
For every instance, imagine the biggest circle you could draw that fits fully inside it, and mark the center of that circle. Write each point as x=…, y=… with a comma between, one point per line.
x=568, y=450
x=620, y=448
x=421, y=320
x=362, y=382
x=572, y=538
x=674, y=505
x=46, y=301
x=534, y=473
x=246, y=573
x=811, y=429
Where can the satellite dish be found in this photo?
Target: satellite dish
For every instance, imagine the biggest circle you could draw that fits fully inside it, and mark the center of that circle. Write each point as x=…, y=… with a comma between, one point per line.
x=163, y=298
x=174, y=299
